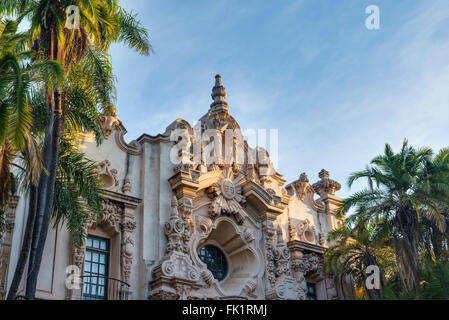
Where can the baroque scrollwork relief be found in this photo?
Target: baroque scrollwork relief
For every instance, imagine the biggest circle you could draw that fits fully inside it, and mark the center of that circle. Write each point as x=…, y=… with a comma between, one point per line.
x=308, y=263
x=176, y=230
x=285, y=286
x=127, y=227
x=288, y=289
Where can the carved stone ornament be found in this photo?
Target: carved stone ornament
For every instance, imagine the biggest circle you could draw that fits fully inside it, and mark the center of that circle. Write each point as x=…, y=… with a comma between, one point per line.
x=186, y=159
x=111, y=214
x=268, y=229
x=308, y=263
x=108, y=175
x=179, y=266
x=228, y=198
x=282, y=256
x=326, y=185
x=203, y=224
x=306, y=232
x=286, y=288
x=108, y=124
x=174, y=229
x=127, y=252
x=303, y=186
x=126, y=185
x=175, y=277
x=249, y=288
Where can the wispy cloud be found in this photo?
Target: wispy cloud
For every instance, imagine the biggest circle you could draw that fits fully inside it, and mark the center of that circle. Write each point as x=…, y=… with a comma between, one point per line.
x=336, y=91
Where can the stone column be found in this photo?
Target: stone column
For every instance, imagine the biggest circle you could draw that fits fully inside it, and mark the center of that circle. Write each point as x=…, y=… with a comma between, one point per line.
x=268, y=234
x=127, y=227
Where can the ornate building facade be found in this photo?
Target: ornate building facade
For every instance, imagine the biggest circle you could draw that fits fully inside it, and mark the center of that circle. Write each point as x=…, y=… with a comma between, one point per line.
x=212, y=228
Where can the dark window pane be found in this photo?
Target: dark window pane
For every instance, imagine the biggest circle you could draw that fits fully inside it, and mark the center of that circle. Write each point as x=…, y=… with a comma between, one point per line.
x=215, y=260
x=311, y=291
x=96, y=269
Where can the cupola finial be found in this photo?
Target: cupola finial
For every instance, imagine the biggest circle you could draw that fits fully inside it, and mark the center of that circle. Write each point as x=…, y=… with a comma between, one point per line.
x=219, y=95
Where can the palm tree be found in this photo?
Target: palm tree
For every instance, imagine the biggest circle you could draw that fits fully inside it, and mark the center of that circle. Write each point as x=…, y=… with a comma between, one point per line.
x=357, y=247
x=402, y=189
x=17, y=78
x=77, y=190
x=88, y=86
x=15, y=118
x=102, y=22
x=435, y=229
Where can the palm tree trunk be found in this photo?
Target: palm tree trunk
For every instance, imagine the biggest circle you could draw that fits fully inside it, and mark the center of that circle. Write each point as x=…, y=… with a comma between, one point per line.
x=55, y=107
x=32, y=279
x=41, y=192
x=406, y=224
x=20, y=268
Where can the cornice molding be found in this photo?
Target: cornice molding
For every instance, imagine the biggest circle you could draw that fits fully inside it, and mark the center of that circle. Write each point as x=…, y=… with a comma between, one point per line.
x=146, y=138
x=128, y=200
x=298, y=245
x=133, y=148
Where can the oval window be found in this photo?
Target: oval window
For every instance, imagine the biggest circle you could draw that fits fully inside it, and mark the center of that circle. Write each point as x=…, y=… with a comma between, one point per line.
x=215, y=260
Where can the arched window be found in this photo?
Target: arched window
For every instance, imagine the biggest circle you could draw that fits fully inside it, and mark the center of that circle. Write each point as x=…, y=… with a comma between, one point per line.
x=215, y=261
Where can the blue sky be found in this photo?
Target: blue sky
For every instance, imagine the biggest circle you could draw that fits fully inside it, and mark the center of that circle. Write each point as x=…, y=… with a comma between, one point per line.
x=336, y=91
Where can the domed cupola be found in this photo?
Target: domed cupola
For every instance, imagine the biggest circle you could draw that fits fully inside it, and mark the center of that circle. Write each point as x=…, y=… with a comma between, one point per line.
x=218, y=116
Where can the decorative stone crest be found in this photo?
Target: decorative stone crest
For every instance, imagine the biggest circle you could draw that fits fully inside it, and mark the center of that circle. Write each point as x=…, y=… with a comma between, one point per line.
x=302, y=186
x=228, y=198
x=228, y=189
x=108, y=124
